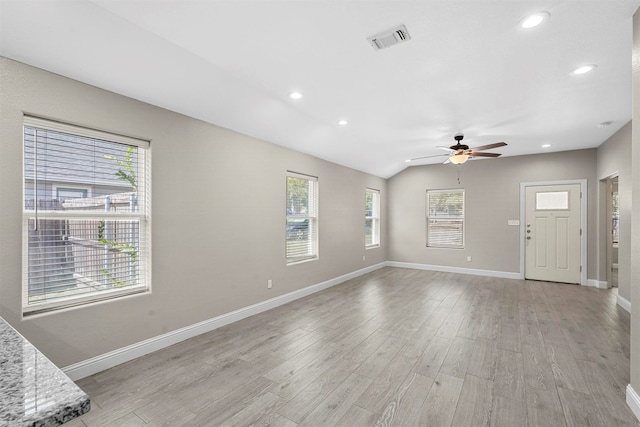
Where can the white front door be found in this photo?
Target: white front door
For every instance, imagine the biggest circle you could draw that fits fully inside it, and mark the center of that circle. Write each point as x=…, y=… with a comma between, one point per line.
x=552, y=233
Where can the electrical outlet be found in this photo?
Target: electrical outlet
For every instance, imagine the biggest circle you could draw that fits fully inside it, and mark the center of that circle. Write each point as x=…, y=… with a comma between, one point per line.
x=269, y=283
x=469, y=258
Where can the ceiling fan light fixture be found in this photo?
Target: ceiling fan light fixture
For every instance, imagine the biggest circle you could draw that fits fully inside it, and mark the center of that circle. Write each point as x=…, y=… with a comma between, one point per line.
x=534, y=20
x=458, y=159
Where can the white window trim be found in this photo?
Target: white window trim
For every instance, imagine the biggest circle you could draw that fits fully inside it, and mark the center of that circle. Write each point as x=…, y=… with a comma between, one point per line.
x=464, y=223
x=40, y=123
x=376, y=220
x=144, y=221
x=315, y=242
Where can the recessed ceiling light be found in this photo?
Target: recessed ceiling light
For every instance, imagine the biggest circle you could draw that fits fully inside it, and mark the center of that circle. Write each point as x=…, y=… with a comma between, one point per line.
x=546, y=145
x=583, y=69
x=343, y=122
x=534, y=20
x=295, y=95
x=604, y=125
x=408, y=160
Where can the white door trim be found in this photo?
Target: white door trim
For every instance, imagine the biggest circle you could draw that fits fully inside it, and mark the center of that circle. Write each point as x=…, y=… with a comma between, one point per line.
x=583, y=222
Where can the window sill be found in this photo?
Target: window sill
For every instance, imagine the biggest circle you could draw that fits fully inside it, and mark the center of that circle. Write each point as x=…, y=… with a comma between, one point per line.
x=371, y=247
x=301, y=261
x=55, y=307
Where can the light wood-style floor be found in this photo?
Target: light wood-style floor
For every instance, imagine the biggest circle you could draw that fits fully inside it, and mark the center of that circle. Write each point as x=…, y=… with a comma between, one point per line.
x=394, y=347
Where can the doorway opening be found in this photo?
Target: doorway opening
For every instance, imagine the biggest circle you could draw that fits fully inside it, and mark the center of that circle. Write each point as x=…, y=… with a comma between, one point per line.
x=613, y=231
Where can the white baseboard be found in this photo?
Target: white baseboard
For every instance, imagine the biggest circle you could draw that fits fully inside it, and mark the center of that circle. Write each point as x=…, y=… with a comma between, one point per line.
x=108, y=360
x=624, y=303
x=600, y=284
x=633, y=400
x=473, y=271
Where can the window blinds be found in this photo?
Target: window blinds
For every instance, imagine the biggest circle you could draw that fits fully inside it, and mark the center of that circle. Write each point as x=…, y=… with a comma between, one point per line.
x=372, y=218
x=302, y=217
x=445, y=218
x=86, y=214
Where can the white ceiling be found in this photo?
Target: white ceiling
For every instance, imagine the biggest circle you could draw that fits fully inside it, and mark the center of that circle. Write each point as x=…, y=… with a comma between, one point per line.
x=468, y=68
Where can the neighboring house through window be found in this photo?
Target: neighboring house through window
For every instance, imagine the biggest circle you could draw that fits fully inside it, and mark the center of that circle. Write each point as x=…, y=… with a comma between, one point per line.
x=445, y=219
x=302, y=218
x=86, y=215
x=371, y=218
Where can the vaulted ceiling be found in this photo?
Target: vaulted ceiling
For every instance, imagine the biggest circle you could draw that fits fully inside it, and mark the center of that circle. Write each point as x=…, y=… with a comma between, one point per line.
x=468, y=67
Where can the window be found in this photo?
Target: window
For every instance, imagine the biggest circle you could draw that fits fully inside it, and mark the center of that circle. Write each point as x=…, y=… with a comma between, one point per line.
x=445, y=219
x=552, y=200
x=302, y=218
x=64, y=193
x=86, y=215
x=371, y=218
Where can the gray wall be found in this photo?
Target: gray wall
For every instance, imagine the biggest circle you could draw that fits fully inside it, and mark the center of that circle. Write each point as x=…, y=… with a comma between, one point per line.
x=492, y=193
x=218, y=230
x=614, y=156
x=635, y=215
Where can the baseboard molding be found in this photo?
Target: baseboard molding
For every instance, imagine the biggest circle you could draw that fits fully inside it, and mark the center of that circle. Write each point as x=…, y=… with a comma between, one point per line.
x=600, y=284
x=624, y=303
x=473, y=271
x=633, y=400
x=113, y=358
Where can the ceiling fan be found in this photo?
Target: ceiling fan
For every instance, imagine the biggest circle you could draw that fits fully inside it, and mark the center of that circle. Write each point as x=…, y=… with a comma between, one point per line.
x=459, y=153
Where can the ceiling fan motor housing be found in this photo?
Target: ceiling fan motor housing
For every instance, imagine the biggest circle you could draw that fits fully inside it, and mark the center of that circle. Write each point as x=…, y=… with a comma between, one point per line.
x=458, y=146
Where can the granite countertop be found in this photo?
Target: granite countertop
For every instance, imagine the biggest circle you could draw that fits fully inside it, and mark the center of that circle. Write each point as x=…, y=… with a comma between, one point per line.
x=33, y=391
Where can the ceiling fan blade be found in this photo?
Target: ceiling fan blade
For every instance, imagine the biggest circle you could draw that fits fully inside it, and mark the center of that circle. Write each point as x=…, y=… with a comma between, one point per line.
x=474, y=154
x=444, y=148
x=447, y=161
x=427, y=157
x=490, y=146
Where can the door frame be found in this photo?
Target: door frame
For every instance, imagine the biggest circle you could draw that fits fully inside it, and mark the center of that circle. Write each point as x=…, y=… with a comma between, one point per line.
x=583, y=222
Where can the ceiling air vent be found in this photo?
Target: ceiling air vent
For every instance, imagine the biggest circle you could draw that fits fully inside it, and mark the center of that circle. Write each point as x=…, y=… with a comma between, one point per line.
x=389, y=38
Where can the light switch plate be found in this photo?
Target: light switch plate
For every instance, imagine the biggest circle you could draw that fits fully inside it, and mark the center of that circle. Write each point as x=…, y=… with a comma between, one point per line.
x=513, y=222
